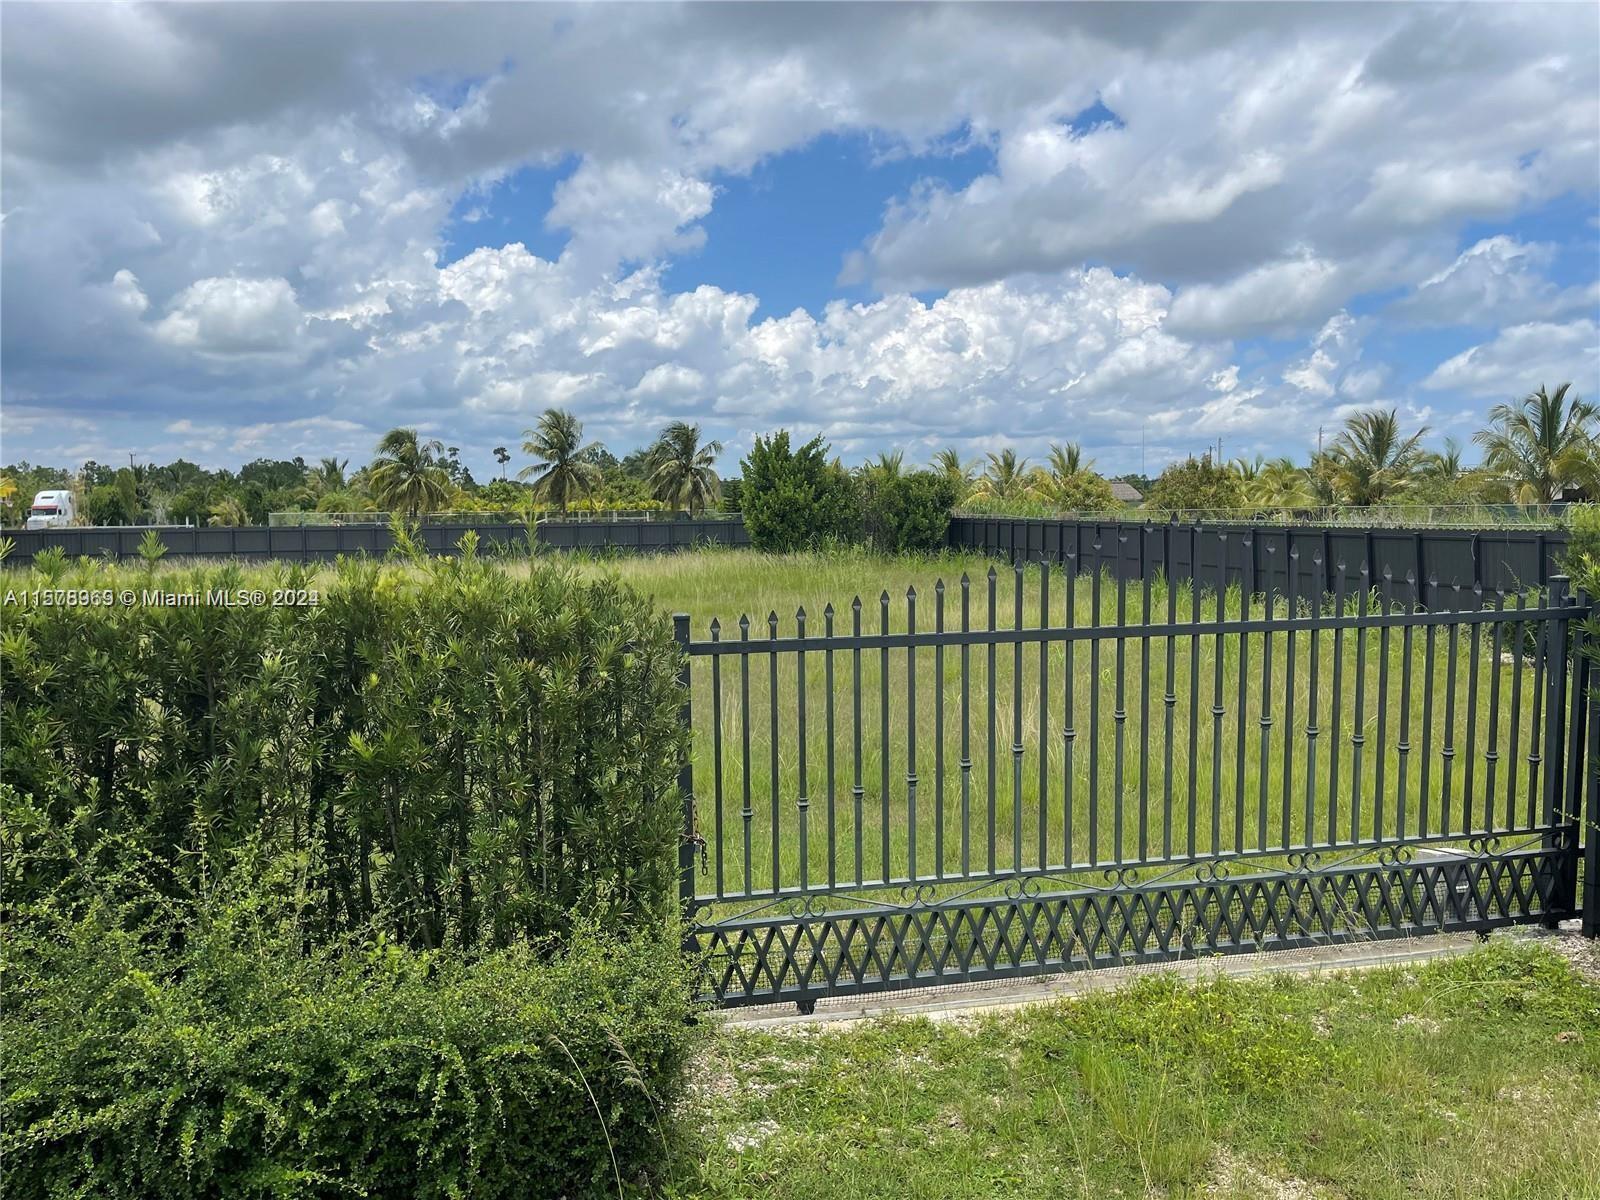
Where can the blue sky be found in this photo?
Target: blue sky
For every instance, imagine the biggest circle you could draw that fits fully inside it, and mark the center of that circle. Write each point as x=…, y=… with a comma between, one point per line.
x=282, y=229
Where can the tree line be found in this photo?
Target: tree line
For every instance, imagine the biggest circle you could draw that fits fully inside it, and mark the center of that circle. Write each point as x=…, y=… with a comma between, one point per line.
x=408, y=474
x=1541, y=449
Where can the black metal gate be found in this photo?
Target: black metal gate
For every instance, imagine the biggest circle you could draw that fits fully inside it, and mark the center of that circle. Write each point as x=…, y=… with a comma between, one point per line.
x=1127, y=773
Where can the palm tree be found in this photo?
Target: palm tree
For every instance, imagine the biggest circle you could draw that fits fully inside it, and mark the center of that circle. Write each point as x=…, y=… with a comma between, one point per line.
x=1068, y=460
x=563, y=470
x=405, y=477
x=324, y=478
x=228, y=511
x=948, y=463
x=1372, y=462
x=1542, y=444
x=1442, y=466
x=1276, y=483
x=1005, y=478
x=890, y=465
x=681, y=468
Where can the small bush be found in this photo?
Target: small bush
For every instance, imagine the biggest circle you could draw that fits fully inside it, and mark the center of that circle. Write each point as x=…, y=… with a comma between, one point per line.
x=230, y=1063
x=796, y=499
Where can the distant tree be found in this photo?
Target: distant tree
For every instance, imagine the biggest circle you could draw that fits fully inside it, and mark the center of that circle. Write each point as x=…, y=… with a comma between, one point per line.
x=1542, y=445
x=596, y=454
x=502, y=456
x=1320, y=478
x=1276, y=483
x=889, y=465
x=191, y=505
x=1443, y=477
x=1373, y=460
x=274, y=473
x=96, y=475
x=949, y=464
x=1195, y=483
x=228, y=510
x=327, y=476
x=1067, y=460
x=565, y=468
x=105, y=505
x=796, y=499
x=683, y=473
x=1068, y=483
x=134, y=492
x=404, y=476
x=504, y=493
x=1076, y=491
x=1005, y=477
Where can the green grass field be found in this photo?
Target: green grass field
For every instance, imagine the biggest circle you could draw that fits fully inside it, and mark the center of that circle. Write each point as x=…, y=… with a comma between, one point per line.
x=1471, y=1077
x=1249, y=781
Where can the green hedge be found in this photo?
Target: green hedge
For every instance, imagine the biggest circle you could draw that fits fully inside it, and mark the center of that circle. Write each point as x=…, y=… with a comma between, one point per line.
x=239, y=1065
x=458, y=753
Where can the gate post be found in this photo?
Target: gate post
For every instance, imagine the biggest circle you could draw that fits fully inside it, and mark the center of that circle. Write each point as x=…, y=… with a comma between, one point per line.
x=687, y=839
x=1590, y=828
x=1559, y=663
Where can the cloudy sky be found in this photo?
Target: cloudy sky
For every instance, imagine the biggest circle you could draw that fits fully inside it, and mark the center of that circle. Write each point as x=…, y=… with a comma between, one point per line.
x=278, y=229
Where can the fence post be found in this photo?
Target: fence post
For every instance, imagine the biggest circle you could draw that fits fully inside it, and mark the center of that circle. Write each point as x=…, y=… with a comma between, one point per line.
x=1590, y=829
x=1558, y=663
x=688, y=839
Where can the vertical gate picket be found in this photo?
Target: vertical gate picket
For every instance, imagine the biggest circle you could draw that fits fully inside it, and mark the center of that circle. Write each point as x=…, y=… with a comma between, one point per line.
x=803, y=800
x=686, y=839
x=911, y=737
x=1018, y=571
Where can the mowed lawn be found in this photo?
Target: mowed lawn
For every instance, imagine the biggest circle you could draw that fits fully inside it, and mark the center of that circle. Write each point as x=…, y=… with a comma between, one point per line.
x=1470, y=1078
x=1452, y=746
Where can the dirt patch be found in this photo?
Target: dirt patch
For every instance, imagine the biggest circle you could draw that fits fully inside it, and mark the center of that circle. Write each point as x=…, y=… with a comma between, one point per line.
x=1237, y=1177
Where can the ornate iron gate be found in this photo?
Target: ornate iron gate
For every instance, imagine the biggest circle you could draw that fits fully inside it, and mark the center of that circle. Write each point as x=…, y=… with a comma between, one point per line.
x=1126, y=773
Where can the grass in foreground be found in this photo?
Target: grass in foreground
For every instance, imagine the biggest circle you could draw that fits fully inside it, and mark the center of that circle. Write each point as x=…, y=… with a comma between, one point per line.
x=1477, y=1076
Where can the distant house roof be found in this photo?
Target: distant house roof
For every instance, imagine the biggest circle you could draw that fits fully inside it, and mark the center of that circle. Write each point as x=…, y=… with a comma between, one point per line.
x=1125, y=492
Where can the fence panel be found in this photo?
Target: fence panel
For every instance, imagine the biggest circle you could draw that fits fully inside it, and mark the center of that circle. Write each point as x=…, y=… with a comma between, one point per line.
x=1499, y=559
x=315, y=543
x=923, y=765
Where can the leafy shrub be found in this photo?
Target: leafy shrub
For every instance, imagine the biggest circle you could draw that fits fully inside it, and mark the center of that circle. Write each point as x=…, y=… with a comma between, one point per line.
x=230, y=1063
x=462, y=756
x=1195, y=483
x=1583, y=547
x=908, y=512
x=796, y=499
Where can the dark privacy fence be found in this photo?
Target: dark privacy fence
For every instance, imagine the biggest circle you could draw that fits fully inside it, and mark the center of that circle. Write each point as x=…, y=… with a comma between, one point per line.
x=312, y=543
x=1262, y=557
